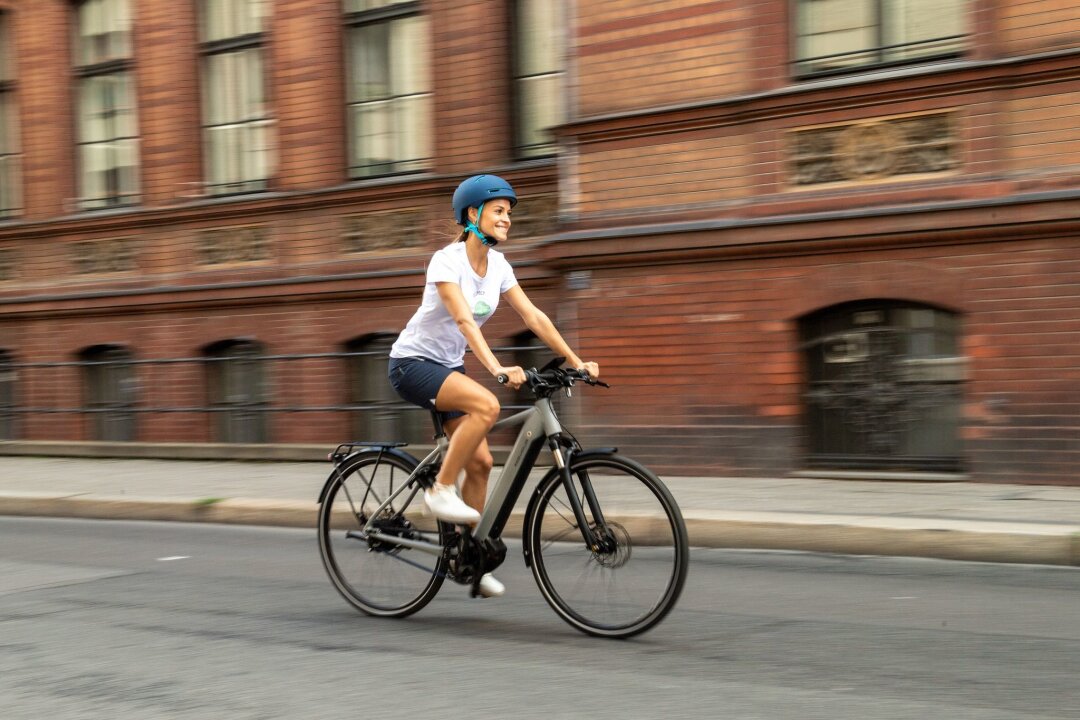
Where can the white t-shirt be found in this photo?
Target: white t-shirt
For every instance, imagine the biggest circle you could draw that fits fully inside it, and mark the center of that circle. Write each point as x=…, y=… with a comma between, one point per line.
x=432, y=332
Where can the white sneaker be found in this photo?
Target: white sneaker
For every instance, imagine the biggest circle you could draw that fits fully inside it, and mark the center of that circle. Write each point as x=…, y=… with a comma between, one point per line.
x=490, y=587
x=445, y=504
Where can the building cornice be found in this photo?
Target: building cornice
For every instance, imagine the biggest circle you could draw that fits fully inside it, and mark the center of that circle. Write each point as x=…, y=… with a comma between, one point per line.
x=938, y=80
x=1014, y=217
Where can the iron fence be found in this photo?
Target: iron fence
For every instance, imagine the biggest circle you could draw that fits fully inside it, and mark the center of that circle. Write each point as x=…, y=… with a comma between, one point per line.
x=348, y=389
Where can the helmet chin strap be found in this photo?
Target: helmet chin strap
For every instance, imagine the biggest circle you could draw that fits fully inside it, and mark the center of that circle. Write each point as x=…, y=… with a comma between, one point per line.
x=472, y=227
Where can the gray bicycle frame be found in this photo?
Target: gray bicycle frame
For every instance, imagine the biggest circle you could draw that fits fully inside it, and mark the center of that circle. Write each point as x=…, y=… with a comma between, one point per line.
x=538, y=423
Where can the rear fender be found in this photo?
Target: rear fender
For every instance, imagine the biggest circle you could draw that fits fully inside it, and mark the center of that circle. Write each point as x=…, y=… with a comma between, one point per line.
x=343, y=463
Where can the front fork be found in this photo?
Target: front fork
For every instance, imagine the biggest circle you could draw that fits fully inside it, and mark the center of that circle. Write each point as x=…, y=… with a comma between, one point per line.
x=595, y=538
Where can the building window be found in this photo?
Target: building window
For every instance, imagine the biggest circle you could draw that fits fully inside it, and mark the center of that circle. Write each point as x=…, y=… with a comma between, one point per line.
x=110, y=390
x=8, y=377
x=389, y=87
x=236, y=116
x=108, y=139
x=238, y=392
x=379, y=414
x=836, y=36
x=884, y=387
x=539, y=75
x=10, y=175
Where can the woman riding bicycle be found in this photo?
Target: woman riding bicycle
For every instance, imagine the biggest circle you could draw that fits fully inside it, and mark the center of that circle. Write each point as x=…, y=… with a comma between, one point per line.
x=464, y=283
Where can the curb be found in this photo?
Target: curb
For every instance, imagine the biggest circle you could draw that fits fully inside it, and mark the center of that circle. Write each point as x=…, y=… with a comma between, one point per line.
x=946, y=539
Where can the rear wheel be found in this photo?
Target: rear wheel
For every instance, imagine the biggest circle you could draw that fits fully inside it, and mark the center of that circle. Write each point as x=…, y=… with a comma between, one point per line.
x=632, y=576
x=380, y=577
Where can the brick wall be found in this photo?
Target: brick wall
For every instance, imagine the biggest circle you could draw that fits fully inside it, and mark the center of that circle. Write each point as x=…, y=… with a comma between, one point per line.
x=697, y=329
x=1041, y=129
x=638, y=55
x=711, y=350
x=1034, y=25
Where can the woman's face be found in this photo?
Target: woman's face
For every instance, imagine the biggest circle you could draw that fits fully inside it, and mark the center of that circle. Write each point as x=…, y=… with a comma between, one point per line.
x=495, y=222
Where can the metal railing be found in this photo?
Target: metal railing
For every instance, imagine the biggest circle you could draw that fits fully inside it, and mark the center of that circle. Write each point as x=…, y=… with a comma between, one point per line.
x=31, y=392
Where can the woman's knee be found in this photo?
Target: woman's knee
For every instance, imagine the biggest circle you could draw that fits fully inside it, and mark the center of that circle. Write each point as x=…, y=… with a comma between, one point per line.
x=488, y=408
x=482, y=462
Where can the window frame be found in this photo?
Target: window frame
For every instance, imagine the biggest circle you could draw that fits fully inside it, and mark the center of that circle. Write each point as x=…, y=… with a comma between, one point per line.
x=84, y=74
x=367, y=384
x=235, y=44
x=879, y=48
x=354, y=20
x=10, y=147
x=9, y=396
x=110, y=392
x=230, y=425
x=521, y=150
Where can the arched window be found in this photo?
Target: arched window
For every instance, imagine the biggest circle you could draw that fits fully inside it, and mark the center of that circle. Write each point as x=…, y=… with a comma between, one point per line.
x=884, y=387
x=238, y=393
x=380, y=414
x=110, y=390
x=8, y=377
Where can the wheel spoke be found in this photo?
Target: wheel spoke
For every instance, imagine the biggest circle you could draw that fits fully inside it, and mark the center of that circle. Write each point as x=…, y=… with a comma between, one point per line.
x=617, y=589
x=373, y=572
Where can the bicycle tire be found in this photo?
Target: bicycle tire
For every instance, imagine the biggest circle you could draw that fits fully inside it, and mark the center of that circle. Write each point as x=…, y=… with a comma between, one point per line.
x=640, y=517
x=379, y=578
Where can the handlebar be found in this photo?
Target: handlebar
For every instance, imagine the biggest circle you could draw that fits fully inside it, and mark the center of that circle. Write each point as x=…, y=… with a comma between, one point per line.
x=553, y=378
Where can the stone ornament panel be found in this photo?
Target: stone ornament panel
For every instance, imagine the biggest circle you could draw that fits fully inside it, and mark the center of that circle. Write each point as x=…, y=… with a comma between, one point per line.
x=534, y=217
x=103, y=257
x=874, y=149
x=232, y=245
x=379, y=231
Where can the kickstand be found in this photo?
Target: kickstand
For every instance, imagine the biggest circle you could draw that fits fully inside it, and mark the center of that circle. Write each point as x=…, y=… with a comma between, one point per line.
x=474, y=591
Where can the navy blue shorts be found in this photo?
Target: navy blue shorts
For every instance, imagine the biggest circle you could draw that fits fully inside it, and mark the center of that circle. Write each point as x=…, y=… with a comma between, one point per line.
x=418, y=380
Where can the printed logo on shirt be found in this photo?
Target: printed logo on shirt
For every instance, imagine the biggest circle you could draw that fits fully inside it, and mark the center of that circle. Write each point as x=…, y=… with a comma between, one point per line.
x=481, y=309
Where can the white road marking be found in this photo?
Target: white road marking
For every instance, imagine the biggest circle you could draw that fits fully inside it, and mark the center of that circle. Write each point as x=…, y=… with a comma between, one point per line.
x=174, y=557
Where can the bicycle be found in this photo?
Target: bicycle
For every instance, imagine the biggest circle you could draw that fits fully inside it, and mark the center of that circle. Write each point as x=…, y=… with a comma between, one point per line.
x=603, y=536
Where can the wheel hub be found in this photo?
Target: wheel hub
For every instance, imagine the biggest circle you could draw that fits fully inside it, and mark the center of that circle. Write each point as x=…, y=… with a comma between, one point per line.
x=615, y=547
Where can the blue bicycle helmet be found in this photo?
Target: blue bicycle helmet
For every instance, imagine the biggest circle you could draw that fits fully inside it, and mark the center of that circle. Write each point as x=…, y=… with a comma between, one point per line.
x=477, y=190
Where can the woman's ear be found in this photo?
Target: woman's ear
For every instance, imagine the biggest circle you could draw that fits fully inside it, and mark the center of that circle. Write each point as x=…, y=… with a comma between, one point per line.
x=472, y=215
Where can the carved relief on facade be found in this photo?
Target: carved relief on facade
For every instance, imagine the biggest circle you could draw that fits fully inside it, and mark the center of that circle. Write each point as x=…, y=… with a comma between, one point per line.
x=873, y=149
x=395, y=230
x=230, y=245
x=100, y=257
x=535, y=217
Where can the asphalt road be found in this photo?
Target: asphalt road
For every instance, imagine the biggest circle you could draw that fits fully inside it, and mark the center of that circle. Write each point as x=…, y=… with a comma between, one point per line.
x=104, y=619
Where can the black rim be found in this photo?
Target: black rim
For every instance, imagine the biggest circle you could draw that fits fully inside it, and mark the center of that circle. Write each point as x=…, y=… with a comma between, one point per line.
x=338, y=578
x=614, y=556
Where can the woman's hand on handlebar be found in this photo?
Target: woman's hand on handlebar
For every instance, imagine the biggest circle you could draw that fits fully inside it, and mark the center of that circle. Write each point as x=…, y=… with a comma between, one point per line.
x=512, y=376
x=591, y=368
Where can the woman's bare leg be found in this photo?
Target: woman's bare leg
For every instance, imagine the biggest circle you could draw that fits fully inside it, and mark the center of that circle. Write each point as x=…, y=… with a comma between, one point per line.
x=477, y=470
x=460, y=392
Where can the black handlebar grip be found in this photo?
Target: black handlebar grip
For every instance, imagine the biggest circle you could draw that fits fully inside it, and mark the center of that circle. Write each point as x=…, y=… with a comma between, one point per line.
x=503, y=378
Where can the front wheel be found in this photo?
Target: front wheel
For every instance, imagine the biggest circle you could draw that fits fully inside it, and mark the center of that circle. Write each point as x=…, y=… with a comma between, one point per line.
x=631, y=577
x=378, y=576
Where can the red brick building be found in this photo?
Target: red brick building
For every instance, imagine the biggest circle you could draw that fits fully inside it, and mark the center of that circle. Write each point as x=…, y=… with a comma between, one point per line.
x=817, y=236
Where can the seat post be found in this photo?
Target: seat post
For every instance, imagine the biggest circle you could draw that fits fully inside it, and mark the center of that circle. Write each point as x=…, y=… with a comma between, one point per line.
x=436, y=420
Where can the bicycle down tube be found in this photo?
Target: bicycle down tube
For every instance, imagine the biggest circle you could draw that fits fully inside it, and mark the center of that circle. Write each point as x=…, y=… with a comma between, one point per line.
x=538, y=423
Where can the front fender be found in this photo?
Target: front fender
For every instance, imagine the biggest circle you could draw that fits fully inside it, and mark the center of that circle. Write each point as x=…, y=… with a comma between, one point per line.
x=352, y=457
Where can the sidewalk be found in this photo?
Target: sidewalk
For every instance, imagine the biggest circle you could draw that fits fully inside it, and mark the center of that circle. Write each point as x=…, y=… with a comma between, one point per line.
x=966, y=521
